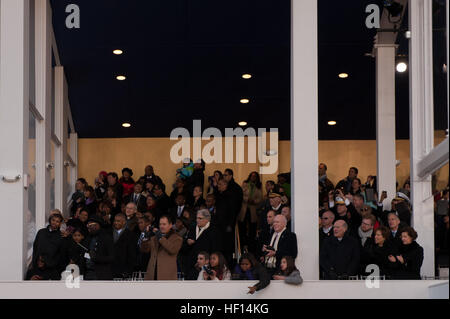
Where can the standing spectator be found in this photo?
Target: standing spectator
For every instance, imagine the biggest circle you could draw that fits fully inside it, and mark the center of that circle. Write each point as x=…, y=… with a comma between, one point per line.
x=356, y=187
x=366, y=238
x=137, y=198
x=124, y=248
x=250, y=269
x=284, y=181
x=178, y=209
x=213, y=181
x=114, y=200
x=49, y=244
x=442, y=239
x=201, y=237
x=211, y=205
x=407, y=264
x=76, y=248
x=346, y=183
x=266, y=233
x=127, y=181
x=381, y=250
x=344, y=210
x=163, y=202
x=101, y=183
x=91, y=202
x=163, y=248
x=248, y=218
x=149, y=176
x=323, y=179
x=113, y=181
x=326, y=230
x=275, y=204
x=282, y=243
x=396, y=229
x=78, y=197
x=198, y=176
x=101, y=252
x=197, y=199
x=131, y=221
x=340, y=254
x=236, y=192
x=144, y=223
x=286, y=212
x=288, y=272
x=180, y=189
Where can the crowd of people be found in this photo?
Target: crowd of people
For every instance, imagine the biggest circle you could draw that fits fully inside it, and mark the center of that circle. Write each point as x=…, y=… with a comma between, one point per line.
x=225, y=231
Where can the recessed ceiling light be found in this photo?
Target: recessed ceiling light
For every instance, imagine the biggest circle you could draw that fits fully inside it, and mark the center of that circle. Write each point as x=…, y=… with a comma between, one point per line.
x=118, y=52
x=243, y=123
x=401, y=67
x=126, y=124
x=343, y=75
x=332, y=123
x=245, y=101
x=120, y=77
x=246, y=76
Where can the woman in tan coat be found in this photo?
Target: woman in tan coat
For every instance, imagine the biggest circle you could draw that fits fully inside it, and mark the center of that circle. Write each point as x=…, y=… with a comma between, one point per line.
x=163, y=248
x=248, y=217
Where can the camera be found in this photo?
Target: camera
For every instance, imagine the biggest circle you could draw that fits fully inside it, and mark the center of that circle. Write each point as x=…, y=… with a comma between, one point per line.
x=268, y=248
x=208, y=270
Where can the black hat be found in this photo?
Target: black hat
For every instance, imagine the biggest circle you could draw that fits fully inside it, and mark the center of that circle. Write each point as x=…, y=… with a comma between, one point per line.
x=126, y=169
x=95, y=219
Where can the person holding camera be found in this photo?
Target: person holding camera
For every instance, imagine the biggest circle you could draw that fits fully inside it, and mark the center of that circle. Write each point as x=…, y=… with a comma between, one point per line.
x=163, y=244
x=201, y=265
x=217, y=269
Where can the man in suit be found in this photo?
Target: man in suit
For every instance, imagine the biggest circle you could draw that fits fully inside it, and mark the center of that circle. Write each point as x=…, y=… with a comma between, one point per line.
x=326, y=230
x=137, y=198
x=266, y=233
x=177, y=211
x=150, y=176
x=340, y=254
x=275, y=204
x=163, y=202
x=396, y=229
x=131, y=218
x=201, y=237
x=282, y=243
x=124, y=248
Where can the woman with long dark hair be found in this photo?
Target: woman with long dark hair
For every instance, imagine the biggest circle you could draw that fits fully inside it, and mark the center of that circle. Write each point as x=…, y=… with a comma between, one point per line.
x=288, y=272
x=218, y=268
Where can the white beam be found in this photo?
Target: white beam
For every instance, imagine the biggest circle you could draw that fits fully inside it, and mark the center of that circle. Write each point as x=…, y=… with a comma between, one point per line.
x=43, y=104
x=421, y=124
x=437, y=158
x=304, y=134
x=14, y=116
x=385, y=114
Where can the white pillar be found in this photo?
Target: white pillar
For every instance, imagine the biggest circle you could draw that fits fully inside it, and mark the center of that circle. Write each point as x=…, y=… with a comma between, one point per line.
x=385, y=88
x=74, y=155
x=61, y=134
x=304, y=135
x=43, y=104
x=14, y=115
x=421, y=124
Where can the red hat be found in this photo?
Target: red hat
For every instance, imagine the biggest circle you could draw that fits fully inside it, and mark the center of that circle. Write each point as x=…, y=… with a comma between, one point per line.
x=103, y=173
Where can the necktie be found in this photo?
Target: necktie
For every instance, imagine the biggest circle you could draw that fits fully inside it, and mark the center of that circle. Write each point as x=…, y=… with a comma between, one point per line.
x=179, y=211
x=274, y=239
x=135, y=198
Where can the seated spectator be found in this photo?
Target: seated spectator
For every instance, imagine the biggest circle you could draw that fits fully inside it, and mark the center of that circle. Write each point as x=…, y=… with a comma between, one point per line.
x=288, y=272
x=50, y=244
x=163, y=247
x=144, y=223
x=200, y=266
x=326, y=229
x=197, y=199
x=407, y=264
x=90, y=202
x=101, y=252
x=127, y=182
x=113, y=181
x=346, y=183
x=76, y=249
x=340, y=254
x=137, y=198
x=381, y=250
x=101, y=184
x=282, y=243
x=250, y=269
x=149, y=176
x=41, y=271
x=124, y=248
x=218, y=269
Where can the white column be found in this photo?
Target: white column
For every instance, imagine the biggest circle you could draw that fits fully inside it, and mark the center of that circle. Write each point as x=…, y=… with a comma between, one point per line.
x=304, y=135
x=74, y=155
x=385, y=88
x=14, y=115
x=43, y=104
x=61, y=133
x=421, y=124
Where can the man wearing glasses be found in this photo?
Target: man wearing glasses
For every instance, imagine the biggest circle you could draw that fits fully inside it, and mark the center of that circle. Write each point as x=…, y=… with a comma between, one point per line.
x=326, y=229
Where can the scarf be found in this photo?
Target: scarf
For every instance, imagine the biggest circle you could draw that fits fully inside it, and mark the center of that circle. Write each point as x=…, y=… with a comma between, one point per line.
x=364, y=235
x=198, y=232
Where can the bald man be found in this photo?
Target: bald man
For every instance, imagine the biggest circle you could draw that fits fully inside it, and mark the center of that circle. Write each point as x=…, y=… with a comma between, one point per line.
x=340, y=254
x=282, y=243
x=326, y=230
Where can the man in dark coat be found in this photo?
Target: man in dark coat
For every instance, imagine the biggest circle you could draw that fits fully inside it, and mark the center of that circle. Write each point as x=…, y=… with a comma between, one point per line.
x=235, y=190
x=275, y=205
x=266, y=233
x=339, y=255
x=396, y=230
x=124, y=248
x=201, y=237
x=50, y=243
x=326, y=229
x=282, y=243
x=137, y=198
x=150, y=176
x=163, y=202
x=366, y=238
x=346, y=183
x=101, y=252
x=344, y=210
